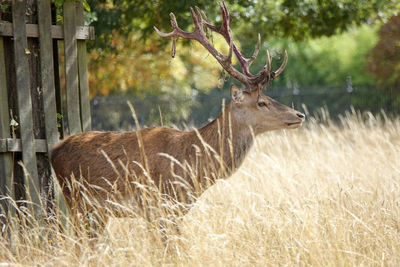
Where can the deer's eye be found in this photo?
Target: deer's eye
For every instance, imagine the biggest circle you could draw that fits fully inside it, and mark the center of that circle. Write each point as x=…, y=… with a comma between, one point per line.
x=262, y=104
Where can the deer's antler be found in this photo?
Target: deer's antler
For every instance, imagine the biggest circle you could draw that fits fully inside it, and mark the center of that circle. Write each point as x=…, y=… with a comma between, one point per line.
x=250, y=81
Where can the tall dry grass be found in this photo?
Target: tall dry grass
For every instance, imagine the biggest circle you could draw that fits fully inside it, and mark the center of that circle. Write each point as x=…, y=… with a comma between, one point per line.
x=324, y=195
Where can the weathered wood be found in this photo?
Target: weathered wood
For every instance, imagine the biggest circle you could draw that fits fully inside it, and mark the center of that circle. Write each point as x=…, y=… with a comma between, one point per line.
x=47, y=73
x=48, y=85
x=38, y=115
x=83, y=74
x=17, y=171
x=6, y=165
x=15, y=145
x=3, y=147
x=31, y=88
x=71, y=68
x=57, y=31
x=21, y=51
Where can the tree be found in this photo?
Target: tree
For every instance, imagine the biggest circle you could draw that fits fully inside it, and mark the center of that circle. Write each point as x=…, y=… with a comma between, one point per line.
x=385, y=57
x=298, y=19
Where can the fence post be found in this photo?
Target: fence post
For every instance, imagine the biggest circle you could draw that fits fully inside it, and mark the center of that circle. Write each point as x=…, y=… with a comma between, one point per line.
x=6, y=164
x=23, y=85
x=49, y=92
x=71, y=67
x=83, y=73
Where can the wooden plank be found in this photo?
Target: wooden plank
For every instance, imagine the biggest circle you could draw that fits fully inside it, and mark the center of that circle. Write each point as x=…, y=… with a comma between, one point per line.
x=49, y=90
x=83, y=74
x=3, y=148
x=47, y=73
x=57, y=31
x=15, y=145
x=71, y=68
x=6, y=165
x=25, y=104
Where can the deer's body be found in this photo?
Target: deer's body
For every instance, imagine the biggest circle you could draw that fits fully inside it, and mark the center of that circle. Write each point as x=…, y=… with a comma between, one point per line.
x=82, y=155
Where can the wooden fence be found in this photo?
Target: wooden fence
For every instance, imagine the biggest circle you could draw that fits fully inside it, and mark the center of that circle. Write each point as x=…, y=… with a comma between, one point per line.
x=31, y=95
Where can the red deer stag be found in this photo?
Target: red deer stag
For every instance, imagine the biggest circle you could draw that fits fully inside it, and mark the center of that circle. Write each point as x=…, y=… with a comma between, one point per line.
x=180, y=163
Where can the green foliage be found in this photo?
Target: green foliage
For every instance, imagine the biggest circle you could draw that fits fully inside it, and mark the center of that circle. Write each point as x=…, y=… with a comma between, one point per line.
x=328, y=60
x=4, y=6
x=305, y=19
x=89, y=16
x=297, y=19
x=59, y=4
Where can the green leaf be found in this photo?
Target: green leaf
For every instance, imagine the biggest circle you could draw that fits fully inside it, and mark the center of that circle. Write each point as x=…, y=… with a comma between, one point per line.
x=86, y=5
x=59, y=18
x=4, y=7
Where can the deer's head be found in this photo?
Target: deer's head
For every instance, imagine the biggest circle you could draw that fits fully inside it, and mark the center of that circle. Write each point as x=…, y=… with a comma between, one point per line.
x=261, y=112
x=249, y=105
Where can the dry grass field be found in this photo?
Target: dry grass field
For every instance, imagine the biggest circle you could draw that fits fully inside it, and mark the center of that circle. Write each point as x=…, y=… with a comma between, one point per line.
x=327, y=194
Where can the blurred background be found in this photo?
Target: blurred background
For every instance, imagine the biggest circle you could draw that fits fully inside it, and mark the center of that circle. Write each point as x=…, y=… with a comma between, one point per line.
x=342, y=54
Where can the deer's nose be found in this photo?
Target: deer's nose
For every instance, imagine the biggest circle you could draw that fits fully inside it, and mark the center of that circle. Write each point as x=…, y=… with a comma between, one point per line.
x=301, y=115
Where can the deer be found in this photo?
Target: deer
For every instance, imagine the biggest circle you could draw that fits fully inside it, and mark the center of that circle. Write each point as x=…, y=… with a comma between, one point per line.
x=180, y=164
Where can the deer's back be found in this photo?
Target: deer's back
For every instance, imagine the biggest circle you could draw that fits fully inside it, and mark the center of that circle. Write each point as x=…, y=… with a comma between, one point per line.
x=102, y=158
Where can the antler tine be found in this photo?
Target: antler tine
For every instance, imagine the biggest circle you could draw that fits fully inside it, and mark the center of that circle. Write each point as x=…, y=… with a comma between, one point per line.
x=202, y=17
x=196, y=19
x=266, y=75
x=199, y=15
x=228, y=58
x=268, y=63
x=282, y=67
x=211, y=26
x=176, y=31
x=255, y=53
x=163, y=34
x=225, y=15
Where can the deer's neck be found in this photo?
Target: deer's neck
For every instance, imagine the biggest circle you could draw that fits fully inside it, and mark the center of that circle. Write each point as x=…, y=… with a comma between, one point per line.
x=230, y=138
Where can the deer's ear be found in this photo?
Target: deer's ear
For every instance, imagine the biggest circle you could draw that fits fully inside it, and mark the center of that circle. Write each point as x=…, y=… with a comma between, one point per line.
x=237, y=95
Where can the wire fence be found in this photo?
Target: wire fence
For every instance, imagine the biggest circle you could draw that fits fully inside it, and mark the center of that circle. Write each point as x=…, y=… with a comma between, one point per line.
x=113, y=113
